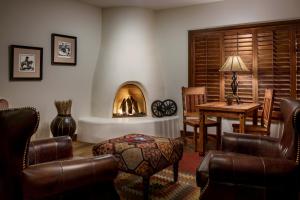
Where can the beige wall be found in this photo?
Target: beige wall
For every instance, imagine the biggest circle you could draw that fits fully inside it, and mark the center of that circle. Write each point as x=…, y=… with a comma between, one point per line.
x=173, y=25
x=31, y=23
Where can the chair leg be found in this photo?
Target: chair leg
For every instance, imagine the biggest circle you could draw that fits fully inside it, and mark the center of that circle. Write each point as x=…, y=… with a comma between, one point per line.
x=175, y=171
x=184, y=133
x=219, y=136
x=205, y=137
x=195, y=139
x=236, y=129
x=146, y=183
x=206, y=134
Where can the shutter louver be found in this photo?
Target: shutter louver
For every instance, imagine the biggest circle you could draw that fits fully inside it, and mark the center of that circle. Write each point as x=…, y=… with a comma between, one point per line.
x=207, y=63
x=265, y=62
x=239, y=43
x=274, y=63
x=282, y=66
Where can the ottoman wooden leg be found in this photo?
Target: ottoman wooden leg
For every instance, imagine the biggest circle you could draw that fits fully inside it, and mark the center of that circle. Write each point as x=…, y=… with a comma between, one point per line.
x=175, y=171
x=146, y=183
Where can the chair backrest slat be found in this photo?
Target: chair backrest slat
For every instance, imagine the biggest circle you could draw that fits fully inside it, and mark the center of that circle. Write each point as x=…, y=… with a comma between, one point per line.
x=191, y=97
x=192, y=101
x=267, y=108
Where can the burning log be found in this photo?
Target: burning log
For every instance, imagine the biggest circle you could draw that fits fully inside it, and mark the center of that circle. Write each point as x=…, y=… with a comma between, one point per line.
x=129, y=106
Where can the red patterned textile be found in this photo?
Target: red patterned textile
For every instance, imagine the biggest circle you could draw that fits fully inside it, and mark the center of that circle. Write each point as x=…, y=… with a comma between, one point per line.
x=141, y=154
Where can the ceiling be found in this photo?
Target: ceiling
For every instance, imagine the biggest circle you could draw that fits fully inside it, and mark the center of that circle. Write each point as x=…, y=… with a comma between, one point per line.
x=151, y=4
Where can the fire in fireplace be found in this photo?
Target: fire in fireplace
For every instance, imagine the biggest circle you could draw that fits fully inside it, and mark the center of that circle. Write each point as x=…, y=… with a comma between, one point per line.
x=129, y=102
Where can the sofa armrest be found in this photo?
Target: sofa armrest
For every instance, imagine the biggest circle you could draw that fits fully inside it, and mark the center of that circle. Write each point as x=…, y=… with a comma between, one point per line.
x=252, y=170
x=53, y=178
x=50, y=149
x=256, y=145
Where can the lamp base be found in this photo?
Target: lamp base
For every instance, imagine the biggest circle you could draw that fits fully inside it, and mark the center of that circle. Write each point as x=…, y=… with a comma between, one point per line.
x=234, y=87
x=234, y=83
x=238, y=100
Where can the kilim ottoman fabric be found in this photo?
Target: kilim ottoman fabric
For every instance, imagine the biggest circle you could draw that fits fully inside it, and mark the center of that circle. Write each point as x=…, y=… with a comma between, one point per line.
x=143, y=155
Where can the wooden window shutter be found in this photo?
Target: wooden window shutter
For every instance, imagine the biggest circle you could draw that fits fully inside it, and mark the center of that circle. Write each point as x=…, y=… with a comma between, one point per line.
x=239, y=43
x=274, y=63
x=271, y=51
x=205, y=61
x=264, y=61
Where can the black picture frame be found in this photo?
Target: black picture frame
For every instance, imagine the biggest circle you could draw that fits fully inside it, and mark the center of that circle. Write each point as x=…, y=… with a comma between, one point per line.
x=63, y=49
x=26, y=63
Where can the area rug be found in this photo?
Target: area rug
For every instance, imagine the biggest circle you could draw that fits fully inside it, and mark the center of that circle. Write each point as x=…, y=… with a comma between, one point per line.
x=189, y=162
x=162, y=187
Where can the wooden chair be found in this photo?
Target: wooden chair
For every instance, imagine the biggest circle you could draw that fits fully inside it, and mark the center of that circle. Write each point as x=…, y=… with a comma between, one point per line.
x=266, y=117
x=192, y=96
x=3, y=104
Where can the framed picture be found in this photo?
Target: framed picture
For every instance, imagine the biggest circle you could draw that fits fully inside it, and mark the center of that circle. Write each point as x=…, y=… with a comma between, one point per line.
x=26, y=63
x=63, y=49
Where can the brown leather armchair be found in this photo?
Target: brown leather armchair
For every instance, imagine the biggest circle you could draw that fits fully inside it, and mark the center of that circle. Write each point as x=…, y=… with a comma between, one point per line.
x=255, y=166
x=46, y=169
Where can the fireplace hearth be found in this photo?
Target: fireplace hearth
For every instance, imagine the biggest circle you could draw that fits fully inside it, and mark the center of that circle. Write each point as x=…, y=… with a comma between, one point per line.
x=129, y=102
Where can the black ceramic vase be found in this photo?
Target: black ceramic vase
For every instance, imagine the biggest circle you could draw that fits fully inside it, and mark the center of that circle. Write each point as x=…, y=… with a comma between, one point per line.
x=63, y=123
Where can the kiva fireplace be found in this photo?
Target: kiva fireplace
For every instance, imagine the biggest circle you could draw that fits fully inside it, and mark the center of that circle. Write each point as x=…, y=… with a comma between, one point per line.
x=129, y=115
x=129, y=102
x=127, y=80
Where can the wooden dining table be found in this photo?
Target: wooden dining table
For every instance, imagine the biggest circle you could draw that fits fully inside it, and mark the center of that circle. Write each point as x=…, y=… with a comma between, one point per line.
x=222, y=110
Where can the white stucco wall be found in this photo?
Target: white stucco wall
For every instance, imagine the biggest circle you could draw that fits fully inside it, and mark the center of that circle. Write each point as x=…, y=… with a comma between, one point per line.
x=172, y=27
x=127, y=54
x=31, y=23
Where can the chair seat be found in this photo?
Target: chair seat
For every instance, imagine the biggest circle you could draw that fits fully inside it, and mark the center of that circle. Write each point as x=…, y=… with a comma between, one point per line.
x=253, y=129
x=196, y=122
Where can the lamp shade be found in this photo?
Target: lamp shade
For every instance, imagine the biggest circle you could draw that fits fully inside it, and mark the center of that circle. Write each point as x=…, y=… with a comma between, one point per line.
x=234, y=64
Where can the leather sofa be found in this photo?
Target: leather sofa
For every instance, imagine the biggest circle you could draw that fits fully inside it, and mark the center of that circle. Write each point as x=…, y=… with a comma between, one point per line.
x=46, y=169
x=254, y=166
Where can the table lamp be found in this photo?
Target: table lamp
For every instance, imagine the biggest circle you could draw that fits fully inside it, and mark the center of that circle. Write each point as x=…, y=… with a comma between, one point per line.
x=234, y=64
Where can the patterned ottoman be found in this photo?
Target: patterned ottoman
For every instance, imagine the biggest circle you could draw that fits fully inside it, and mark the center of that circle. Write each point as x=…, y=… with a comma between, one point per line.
x=143, y=155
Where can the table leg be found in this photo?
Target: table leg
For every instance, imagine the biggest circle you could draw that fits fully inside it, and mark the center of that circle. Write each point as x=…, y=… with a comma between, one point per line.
x=201, y=143
x=219, y=132
x=195, y=138
x=255, y=116
x=242, y=122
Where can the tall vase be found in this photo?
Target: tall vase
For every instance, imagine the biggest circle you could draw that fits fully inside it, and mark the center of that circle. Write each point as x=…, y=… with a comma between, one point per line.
x=63, y=123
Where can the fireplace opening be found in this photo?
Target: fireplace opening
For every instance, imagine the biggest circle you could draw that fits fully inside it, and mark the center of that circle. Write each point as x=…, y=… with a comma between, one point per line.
x=129, y=102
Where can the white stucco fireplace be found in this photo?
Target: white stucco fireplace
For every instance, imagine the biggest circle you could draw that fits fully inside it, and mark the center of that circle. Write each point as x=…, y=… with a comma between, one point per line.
x=96, y=129
x=127, y=57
